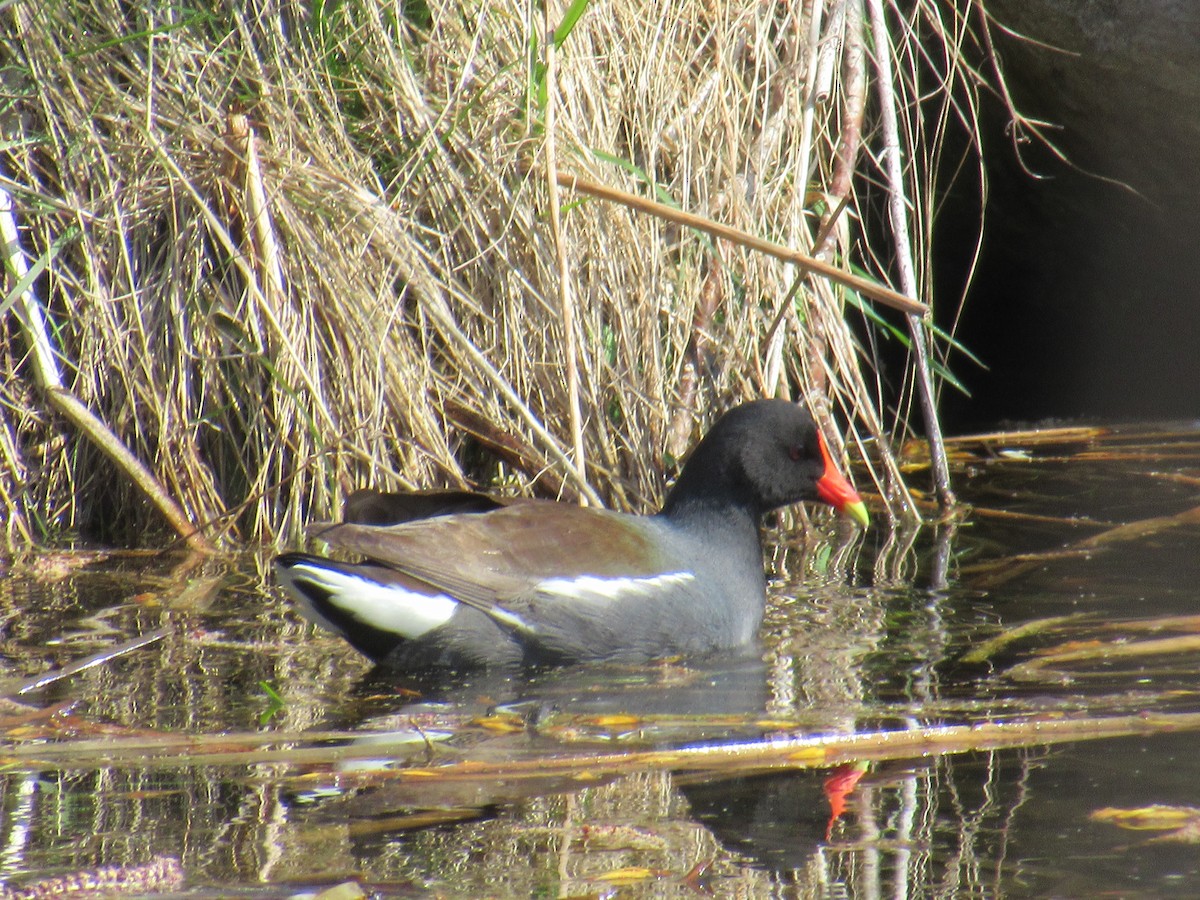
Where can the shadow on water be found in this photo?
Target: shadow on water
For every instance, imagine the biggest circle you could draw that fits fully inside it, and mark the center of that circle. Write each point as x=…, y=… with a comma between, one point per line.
x=1067, y=591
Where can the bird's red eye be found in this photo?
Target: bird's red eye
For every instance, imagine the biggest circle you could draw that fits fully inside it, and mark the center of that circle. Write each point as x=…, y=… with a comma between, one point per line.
x=795, y=453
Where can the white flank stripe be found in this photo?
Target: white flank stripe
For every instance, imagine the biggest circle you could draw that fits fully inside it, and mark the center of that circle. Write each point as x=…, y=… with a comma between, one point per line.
x=386, y=607
x=510, y=619
x=613, y=588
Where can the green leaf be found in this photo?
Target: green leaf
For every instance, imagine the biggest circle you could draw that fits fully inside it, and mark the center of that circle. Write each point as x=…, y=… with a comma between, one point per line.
x=35, y=271
x=660, y=194
x=275, y=703
x=574, y=12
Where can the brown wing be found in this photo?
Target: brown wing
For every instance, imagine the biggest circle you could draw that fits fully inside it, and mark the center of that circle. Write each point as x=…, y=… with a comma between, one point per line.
x=487, y=559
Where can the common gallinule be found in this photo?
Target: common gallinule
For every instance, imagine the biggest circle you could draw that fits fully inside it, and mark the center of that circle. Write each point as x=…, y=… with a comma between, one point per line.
x=463, y=580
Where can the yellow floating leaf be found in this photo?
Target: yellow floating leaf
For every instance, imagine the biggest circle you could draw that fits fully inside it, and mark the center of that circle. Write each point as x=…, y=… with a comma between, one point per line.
x=628, y=875
x=777, y=724
x=814, y=755
x=614, y=721
x=1148, y=818
x=347, y=891
x=503, y=724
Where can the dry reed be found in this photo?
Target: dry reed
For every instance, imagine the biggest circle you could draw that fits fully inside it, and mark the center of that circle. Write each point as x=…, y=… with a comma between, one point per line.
x=288, y=249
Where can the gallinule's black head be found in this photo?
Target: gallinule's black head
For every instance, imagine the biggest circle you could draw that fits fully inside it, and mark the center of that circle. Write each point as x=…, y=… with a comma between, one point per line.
x=758, y=457
x=458, y=579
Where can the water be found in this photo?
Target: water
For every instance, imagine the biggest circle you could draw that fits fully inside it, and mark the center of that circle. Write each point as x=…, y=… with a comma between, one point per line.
x=120, y=764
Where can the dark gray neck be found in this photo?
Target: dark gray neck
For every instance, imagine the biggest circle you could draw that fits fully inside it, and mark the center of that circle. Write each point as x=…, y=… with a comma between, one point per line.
x=730, y=526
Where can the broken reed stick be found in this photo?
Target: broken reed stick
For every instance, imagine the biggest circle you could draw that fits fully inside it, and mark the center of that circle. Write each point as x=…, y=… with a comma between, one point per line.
x=510, y=447
x=864, y=286
x=49, y=378
x=818, y=751
x=806, y=752
x=989, y=575
x=854, y=104
x=106, y=655
x=262, y=244
x=898, y=215
x=566, y=298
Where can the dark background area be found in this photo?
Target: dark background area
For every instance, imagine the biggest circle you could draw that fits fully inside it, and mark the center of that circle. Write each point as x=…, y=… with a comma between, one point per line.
x=1084, y=304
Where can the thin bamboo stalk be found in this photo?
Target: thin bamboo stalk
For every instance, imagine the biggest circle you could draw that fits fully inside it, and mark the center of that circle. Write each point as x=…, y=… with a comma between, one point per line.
x=566, y=298
x=898, y=216
x=865, y=286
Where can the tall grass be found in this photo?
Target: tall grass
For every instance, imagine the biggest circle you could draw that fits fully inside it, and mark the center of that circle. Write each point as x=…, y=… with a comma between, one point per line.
x=289, y=249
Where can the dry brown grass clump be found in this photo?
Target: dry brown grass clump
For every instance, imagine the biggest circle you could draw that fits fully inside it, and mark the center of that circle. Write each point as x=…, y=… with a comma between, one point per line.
x=283, y=252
